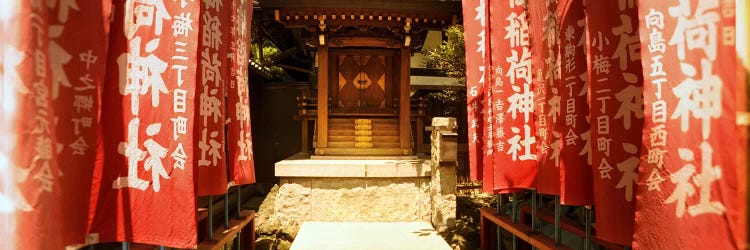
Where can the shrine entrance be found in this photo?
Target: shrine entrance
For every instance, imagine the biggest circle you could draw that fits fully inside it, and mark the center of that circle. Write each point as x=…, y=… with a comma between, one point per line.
x=363, y=119
x=360, y=96
x=362, y=82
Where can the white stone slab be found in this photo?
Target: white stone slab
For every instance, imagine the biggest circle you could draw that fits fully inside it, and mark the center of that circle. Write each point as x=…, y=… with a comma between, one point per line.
x=368, y=235
x=296, y=166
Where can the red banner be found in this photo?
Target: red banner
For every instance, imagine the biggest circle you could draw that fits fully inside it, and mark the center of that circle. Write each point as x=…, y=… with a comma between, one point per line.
x=144, y=181
x=240, y=143
x=615, y=87
x=474, y=12
x=51, y=103
x=688, y=179
x=215, y=20
x=514, y=142
x=30, y=195
x=575, y=159
x=544, y=48
x=77, y=68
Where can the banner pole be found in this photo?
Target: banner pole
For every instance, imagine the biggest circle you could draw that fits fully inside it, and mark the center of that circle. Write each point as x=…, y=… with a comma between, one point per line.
x=558, y=211
x=226, y=210
x=587, y=214
x=210, y=223
x=239, y=236
x=533, y=210
x=239, y=201
x=226, y=214
x=533, y=213
x=499, y=211
x=125, y=245
x=514, y=205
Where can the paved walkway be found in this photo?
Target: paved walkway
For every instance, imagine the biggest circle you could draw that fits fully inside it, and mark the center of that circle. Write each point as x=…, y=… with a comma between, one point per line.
x=368, y=235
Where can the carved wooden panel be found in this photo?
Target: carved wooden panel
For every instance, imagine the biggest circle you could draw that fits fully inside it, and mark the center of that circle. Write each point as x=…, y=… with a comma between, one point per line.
x=361, y=84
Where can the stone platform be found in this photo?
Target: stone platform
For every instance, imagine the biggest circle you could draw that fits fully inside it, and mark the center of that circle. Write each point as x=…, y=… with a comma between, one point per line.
x=301, y=165
x=364, y=189
x=368, y=235
x=353, y=190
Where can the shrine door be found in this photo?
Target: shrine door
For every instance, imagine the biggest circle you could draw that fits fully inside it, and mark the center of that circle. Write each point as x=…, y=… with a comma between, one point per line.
x=361, y=82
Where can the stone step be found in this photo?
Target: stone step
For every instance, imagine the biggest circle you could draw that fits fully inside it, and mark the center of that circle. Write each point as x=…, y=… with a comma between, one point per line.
x=368, y=235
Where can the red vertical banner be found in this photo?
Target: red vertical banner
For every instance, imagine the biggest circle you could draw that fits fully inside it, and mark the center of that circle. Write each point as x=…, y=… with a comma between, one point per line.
x=210, y=159
x=515, y=156
x=474, y=13
x=615, y=86
x=30, y=193
x=77, y=68
x=144, y=179
x=240, y=141
x=543, y=28
x=575, y=159
x=688, y=178
x=490, y=98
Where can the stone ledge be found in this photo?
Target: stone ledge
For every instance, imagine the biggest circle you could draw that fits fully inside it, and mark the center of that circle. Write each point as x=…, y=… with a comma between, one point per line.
x=297, y=166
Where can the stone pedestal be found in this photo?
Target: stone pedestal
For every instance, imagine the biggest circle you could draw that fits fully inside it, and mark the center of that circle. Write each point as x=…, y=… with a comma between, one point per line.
x=365, y=190
x=443, y=178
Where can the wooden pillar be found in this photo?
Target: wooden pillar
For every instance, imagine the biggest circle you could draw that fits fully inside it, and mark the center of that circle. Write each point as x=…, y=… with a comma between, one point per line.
x=404, y=105
x=322, y=127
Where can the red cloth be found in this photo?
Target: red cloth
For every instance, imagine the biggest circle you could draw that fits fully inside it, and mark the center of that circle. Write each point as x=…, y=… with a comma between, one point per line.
x=544, y=48
x=575, y=159
x=144, y=180
x=240, y=143
x=688, y=188
x=50, y=106
x=30, y=185
x=616, y=86
x=213, y=44
x=513, y=145
x=474, y=12
x=77, y=68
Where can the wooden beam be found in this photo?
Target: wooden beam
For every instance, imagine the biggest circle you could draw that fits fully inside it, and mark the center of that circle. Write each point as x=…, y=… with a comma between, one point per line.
x=322, y=127
x=223, y=236
x=569, y=225
x=442, y=7
x=404, y=105
x=341, y=42
x=523, y=232
x=290, y=67
x=361, y=22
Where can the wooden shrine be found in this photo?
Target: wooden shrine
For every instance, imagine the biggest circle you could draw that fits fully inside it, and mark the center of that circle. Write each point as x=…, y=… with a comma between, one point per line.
x=363, y=59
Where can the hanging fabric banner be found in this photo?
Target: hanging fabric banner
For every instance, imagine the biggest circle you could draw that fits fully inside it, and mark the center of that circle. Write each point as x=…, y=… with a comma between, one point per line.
x=688, y=178
x=215, y=21
x=615, y=86
x=50, y=100
x=240, y=141
x=30, y=185
x=144, y=188
x=514, y=142
x=543, y=28
x=489, y=89
x=474, y=12
x=77, y=68
x=575, y=159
